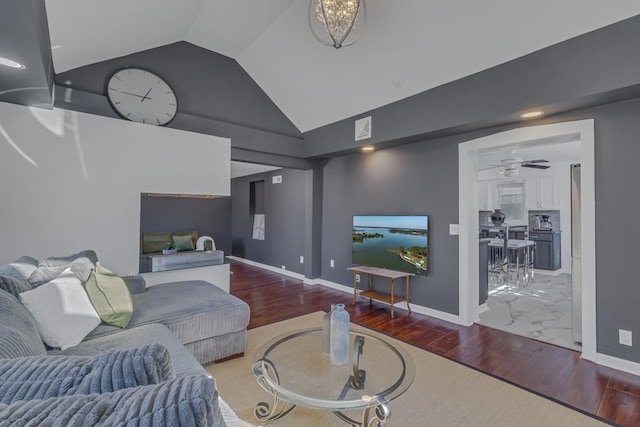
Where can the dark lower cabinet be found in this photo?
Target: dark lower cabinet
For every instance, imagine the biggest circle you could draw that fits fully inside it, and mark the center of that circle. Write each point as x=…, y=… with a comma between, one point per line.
x=548, y=249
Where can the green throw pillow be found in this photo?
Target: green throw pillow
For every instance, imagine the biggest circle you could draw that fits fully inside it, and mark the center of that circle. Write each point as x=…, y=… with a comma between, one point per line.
x=154, y=242
x=110, y=297
x=183, y=242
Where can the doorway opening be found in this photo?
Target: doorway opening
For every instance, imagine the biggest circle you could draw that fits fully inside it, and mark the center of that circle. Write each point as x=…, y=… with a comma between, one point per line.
x=469, y=207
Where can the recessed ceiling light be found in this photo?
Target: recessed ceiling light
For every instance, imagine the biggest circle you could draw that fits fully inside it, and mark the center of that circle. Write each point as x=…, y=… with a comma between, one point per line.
x=10, y=63
x=532, y=114
x=368, y=148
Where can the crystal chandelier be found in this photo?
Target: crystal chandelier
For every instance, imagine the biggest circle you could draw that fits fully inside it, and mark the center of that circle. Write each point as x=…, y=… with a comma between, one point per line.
x=337, y=23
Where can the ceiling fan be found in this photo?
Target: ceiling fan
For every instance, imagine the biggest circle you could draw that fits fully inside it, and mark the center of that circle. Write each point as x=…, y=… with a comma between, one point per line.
x=511, y=166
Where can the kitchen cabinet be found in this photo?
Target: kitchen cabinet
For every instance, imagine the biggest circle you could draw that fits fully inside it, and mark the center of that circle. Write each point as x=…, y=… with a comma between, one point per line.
x=483, y=196
x=487, y=195
x=540, y=193
x=548, y=253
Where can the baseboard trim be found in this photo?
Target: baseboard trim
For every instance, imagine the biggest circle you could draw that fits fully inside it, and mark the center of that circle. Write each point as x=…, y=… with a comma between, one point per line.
x=268, y=267
x=453, y=318
x=617, y=363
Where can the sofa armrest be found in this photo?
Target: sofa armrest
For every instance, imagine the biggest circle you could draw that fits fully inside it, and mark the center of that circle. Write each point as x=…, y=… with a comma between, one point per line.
x=136, y=284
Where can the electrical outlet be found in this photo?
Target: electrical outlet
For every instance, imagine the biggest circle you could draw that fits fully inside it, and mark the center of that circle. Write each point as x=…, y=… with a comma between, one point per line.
x=625, y=337
x=283, y=267
x=358, y=278
x=332, y=263
x=301, y=259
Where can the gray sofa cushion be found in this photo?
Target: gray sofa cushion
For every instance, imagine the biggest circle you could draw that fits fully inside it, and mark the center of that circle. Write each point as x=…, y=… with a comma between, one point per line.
x=189, y=401
x=20, y=268
x=81, y=264
x=19, y=337
x=183, y=362
x=192, y=310
x=14, y=286
x=136, y=284
x=43, y=377
x=66, y=260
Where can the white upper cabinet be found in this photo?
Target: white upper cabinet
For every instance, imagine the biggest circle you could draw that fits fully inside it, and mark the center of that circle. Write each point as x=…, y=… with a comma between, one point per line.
x=483, y=196
x=487, y=195
x=540, y=193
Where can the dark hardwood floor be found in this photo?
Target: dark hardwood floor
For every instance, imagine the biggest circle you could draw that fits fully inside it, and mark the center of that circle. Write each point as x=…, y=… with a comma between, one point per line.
x=545, y=369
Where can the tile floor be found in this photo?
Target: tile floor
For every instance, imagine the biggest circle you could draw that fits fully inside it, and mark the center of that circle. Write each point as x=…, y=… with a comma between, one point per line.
x=538, y=309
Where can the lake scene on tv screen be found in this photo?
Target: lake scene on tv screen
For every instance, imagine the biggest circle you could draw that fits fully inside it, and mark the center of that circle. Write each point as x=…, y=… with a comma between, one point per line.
x=394, y=242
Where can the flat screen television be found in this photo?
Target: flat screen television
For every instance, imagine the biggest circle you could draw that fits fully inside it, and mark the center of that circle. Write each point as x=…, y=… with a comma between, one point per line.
x=395, y=242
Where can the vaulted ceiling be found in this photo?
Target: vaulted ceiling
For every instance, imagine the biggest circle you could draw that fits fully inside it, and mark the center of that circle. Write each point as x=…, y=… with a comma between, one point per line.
x=409, y=45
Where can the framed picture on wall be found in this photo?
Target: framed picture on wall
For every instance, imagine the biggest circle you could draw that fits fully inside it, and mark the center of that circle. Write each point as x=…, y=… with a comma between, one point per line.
x=258, y=227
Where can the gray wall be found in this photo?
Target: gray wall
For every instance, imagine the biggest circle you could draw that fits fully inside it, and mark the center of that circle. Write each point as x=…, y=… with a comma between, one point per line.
x=415, y=179
x=209, y=217
x=285, y=219
x=422, y=178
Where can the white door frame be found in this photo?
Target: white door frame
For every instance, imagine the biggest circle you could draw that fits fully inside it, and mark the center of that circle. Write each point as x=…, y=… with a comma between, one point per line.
x=468, y=217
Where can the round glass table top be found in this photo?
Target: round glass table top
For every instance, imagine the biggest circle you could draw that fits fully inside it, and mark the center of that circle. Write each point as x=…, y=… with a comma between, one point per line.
x=293, y=367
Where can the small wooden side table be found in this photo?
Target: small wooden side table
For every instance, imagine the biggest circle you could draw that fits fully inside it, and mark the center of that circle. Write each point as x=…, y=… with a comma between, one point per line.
x=379, y=296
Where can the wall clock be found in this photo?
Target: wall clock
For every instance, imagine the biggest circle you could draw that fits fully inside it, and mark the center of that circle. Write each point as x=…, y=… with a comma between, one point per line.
x=142, y=96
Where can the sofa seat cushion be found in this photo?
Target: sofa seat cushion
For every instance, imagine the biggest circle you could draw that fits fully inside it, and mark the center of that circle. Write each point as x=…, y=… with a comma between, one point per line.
x=192, y=310
x=184, y=364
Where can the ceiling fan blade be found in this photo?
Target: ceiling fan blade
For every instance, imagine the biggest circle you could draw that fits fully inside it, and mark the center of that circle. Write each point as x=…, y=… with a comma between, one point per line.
x=536, y=161
x=490, y=167
x=524, y=165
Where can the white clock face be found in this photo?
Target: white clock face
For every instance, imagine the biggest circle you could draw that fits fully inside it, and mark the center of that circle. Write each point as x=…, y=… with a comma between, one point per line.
x=142, y=96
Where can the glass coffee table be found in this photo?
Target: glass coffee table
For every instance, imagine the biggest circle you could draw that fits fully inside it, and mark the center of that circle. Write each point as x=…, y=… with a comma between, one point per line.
x=294, y=370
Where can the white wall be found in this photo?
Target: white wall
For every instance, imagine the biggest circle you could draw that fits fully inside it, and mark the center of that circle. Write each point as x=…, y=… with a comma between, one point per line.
x=73, y=190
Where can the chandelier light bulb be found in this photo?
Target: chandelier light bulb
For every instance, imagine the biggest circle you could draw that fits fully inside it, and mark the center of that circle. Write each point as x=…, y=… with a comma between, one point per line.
x=337, y=23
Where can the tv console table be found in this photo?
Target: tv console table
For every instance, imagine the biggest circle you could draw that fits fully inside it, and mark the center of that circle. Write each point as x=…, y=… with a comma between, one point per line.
x=379, y=296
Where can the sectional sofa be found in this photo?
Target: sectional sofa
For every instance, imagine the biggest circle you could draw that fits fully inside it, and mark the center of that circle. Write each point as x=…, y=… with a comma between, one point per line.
x=192, y=322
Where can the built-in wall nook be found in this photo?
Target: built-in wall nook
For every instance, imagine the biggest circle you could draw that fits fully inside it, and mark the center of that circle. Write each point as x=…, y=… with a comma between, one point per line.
x=183, y=231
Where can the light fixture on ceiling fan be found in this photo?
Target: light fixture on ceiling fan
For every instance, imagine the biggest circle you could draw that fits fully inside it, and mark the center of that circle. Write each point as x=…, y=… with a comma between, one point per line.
x=511, y=167
x=337, y=23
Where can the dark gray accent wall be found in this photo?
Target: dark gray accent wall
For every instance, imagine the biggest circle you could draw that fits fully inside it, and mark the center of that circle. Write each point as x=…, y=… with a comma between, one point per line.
x=24, y=37
x=285, y=219
x=414, y=179
x=215, y=96
x=209, y=217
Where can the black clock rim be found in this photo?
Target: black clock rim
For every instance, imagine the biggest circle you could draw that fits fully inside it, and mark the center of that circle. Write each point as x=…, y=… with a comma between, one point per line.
x=114, y=108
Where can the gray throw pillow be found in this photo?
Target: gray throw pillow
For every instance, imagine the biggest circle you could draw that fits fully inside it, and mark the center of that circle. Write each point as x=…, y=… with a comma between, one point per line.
x=45, y=274
x=20, y=268
x=14, y=286
x=66, y=260
x=20, y=336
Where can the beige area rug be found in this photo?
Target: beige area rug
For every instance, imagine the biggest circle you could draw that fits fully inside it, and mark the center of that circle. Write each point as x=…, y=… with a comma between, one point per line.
x=444, y=393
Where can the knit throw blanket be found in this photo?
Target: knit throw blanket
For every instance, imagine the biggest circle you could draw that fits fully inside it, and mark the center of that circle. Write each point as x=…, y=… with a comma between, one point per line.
x=187, y=401
x=43, y=377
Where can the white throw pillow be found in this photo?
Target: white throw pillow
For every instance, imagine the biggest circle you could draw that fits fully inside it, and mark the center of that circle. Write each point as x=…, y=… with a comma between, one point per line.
x=62, y=310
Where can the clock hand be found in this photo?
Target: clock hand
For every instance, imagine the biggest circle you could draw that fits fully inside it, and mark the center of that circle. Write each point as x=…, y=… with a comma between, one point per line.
x=132, y=94
x=145, y=96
